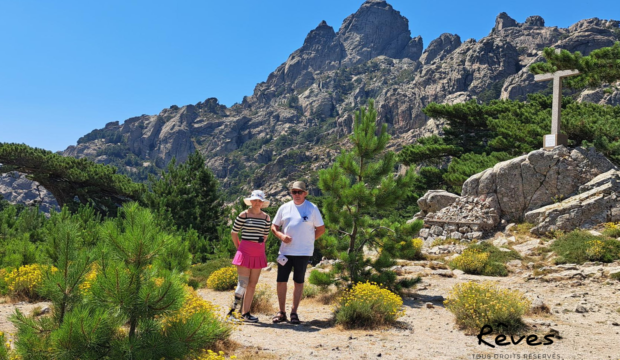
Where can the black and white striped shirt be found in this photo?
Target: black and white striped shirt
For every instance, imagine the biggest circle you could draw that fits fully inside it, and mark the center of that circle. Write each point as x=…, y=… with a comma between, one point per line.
x=252, y=229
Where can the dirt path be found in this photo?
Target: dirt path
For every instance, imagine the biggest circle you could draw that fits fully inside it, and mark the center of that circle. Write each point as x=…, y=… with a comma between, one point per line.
x=430, y=333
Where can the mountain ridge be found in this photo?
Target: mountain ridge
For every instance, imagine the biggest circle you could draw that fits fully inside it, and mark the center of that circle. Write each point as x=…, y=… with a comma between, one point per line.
x=297, y=119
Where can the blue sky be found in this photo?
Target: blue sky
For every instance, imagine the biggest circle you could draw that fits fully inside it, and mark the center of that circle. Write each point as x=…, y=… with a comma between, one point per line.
x=68, y=67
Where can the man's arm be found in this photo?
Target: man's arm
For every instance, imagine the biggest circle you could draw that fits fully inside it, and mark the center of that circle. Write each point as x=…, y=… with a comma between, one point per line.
x=280, y=235
x=318, y=231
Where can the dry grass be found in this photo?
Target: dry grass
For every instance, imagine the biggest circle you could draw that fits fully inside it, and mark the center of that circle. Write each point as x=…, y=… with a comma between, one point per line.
x=263, y=300
x=324, y=298
x=231, y=347
x=36, y=311
x=447, y=241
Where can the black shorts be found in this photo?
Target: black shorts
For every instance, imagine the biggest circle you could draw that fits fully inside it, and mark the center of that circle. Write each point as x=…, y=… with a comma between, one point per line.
x=298, y=264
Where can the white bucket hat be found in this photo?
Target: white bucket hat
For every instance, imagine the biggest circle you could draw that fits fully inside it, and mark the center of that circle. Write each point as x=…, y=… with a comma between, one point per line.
x=257, y=195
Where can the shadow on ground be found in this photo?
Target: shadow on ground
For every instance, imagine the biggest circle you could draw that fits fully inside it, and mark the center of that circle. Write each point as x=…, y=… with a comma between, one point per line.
x=305, y=326
x=417, y=301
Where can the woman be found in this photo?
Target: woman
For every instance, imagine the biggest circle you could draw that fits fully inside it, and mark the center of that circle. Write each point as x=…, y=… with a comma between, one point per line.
x=254, y=225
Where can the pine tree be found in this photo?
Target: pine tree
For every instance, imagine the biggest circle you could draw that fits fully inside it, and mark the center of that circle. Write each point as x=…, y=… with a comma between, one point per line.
x=134, y=307
x=72, y=182
x=360, y=183
x=188, y=197
x=602, y=66
x=503, y=129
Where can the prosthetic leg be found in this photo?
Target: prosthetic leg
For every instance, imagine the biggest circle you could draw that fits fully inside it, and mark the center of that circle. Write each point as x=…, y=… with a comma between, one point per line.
x=239, y=294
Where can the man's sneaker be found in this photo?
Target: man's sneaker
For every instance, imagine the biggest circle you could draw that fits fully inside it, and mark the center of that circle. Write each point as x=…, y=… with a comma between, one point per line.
x=249, y=318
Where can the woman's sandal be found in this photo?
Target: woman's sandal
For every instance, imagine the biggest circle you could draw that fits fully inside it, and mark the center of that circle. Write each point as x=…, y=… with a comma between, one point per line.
x=295, y=319
x=280, y=317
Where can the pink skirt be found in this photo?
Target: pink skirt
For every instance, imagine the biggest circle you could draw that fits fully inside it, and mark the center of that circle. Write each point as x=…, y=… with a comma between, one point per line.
x=251, y=255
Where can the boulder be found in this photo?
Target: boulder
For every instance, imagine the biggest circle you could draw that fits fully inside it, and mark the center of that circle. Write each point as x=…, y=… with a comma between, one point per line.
x=598, y=203
x=435, y=200
x=540, y=178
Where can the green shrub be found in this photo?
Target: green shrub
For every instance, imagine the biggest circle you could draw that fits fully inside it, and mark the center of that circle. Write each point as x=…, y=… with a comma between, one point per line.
x=410, y=249
x=367, y=305
x=475, y=305
x=310, y=291
x=615, y=276
x=223, y=279
x=484, y=259
x=580, y=246
x=321, y=279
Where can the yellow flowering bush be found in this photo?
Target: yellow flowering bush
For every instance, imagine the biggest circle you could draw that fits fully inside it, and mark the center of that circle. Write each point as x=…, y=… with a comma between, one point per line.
x=223, y=279
x=367, y=305
x=25, y=280
x=211, y=355
x=5, y=347
x=612, y=229
x=596, y=250
x=471, y=261
x=475, y=305
x=193, y=304
x=201, y=314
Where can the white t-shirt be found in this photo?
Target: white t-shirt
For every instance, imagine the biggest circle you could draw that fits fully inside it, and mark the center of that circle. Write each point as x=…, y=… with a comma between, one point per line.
x=298, y=222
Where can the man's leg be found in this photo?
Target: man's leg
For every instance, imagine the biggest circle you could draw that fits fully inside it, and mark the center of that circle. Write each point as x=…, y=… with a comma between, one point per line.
x=297, y=292
x=284, y=272
x=282, y=296
x=299, y=275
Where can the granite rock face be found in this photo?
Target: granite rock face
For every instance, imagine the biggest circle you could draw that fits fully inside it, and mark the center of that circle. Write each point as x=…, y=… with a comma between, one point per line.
x=303, y=110
x=596, y=203
x=537, y=179
x=16, y=188
x=559, y=189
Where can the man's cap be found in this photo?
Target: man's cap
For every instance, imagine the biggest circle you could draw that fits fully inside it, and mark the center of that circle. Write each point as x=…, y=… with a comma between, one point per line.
x=298, y=185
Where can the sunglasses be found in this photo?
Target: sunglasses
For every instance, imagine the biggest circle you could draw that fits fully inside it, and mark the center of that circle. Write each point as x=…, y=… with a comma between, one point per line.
x=296, y=192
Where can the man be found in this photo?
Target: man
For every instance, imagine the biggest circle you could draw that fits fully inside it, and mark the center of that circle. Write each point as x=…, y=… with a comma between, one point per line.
x=297, y=224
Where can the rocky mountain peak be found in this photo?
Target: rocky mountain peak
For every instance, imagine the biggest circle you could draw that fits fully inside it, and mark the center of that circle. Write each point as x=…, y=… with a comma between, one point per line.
x=534, y=21
x=441, y=47
x=377, y=29
x=503, y=21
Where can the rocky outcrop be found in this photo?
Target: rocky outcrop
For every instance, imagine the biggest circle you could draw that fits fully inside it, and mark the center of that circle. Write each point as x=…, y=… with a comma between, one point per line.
x=537, y=179
x=433, y=201
x=440, y=48
x=559, y=189
x=377, y=29
x=16, y=188
x=596, y=203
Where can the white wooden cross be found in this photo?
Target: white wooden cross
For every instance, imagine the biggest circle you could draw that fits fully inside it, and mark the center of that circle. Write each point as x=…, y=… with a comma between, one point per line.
x=555, y=138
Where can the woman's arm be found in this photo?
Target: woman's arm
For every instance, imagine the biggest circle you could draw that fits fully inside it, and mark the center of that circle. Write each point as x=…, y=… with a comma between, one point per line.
x=235, y=239
x=237, y=226
x=267, y=230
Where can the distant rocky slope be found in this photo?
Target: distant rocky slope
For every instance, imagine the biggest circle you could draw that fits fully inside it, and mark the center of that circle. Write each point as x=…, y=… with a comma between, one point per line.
x=295, y=121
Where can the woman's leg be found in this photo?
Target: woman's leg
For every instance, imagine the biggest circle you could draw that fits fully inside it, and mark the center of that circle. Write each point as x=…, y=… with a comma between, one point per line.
x=243, y=274
x=249, y=292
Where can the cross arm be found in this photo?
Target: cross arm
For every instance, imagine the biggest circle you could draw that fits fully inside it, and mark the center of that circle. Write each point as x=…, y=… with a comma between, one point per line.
x=555, y=75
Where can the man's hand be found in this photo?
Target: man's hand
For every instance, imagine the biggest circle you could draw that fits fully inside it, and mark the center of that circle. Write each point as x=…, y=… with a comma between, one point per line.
x=286, y=239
